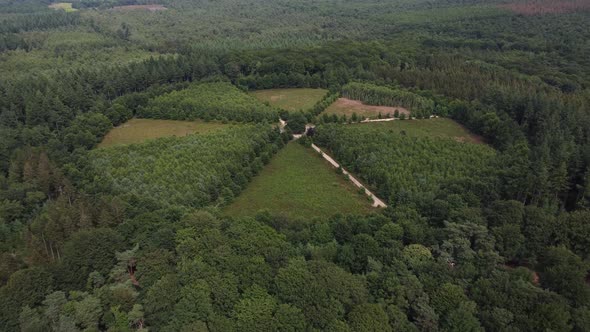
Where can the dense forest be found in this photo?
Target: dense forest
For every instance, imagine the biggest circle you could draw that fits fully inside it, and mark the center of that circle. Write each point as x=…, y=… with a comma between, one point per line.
x=475, y=237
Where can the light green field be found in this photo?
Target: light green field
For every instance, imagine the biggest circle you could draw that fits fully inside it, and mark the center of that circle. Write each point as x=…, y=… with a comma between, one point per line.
x=299, y=183
x=67, y=6
x=291, y=99
x=436, y=127
x=139, y=130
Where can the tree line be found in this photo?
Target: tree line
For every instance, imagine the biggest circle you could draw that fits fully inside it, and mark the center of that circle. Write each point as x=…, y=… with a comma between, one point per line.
x=379, y=95
x=209, y=101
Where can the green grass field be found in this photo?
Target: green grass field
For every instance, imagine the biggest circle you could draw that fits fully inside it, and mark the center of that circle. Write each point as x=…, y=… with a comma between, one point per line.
x=67, y=6
x=291, y=99
x=437, y=127
x=139, y=130
x=299, y=183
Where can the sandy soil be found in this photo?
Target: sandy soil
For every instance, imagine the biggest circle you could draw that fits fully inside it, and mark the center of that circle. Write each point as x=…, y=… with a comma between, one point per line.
x=349, y=106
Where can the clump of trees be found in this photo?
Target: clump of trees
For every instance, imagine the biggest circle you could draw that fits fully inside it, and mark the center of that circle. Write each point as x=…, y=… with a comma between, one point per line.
x=212, y=167
x=209, y=101
x=398, y=165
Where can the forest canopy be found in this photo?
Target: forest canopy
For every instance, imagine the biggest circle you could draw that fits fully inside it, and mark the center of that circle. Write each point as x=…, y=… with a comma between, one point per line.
x=487, y=233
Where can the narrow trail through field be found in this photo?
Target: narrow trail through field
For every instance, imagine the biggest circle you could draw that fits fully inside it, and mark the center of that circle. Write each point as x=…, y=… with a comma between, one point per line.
x=377, y=202
x=391, y=119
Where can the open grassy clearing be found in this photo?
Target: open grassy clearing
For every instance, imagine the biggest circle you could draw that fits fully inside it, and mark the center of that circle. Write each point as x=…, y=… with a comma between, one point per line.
x=345, y=106
x=436, y=127
x=291, y=99
x=139, y=130
x=66, y=6
x=299, y=183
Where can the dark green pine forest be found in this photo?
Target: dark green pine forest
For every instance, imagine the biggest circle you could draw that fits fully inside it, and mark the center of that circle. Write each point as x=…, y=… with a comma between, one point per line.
x=485, y=236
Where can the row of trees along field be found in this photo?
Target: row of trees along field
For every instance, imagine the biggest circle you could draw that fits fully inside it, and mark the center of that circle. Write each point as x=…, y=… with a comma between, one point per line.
x=381, y=95
x=192, y=171
x=40, y=21
x=505, y=107
x=449, y=258
x=209, y=101
x=398, y=165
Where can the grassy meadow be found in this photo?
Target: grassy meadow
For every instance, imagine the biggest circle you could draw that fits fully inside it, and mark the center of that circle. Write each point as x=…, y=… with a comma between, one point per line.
x=291, y=99
x=66, y=6
x=299, y=183
x=436, y=127
x=140, y=130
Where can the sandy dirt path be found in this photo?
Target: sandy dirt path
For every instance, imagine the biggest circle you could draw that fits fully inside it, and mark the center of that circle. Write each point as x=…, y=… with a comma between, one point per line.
x=377, y=202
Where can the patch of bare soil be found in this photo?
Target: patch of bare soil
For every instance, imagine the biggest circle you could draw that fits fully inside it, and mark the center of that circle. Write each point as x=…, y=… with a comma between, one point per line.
x=360, y=108
x=539, y=7
x=151, y=8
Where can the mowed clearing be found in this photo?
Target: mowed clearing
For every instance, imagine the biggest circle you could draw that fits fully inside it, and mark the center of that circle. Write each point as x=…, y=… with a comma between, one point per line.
x=139, y=130
x=345, y=106
x=299, y=183
x=66, y=6
x=291, y=99
x=436, y=127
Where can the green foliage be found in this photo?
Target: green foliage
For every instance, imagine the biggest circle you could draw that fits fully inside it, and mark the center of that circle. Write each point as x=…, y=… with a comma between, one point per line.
x=87, y=130
x=471, y=243
x=297, y=122
x=88, y=251
x=368, y=317
x=209, y=101
x=397, y=164
x=26, y=287
x=298, y=183
x=193, y=171
x=565, y=273
x=380, y=95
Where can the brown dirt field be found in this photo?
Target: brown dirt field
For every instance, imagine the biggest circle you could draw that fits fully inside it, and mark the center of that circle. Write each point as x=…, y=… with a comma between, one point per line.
x=539, y=7
x=348, y=106
x=151, y=8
